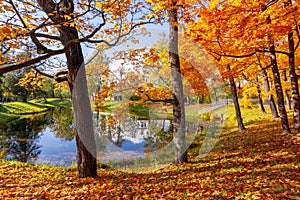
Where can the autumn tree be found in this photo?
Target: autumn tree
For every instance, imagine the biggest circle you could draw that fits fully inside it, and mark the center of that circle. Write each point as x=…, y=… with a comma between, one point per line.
x=233, y=27
x=35, y=84
x=46, y=29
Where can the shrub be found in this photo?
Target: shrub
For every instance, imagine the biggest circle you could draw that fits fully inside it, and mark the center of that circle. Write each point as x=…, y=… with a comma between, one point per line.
x=206, y=117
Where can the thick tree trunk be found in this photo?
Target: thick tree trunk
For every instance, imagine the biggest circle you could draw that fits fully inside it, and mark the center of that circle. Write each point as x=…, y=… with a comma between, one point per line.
x=279, y=92
x=294, y=82
x=271, y=100
x=84, y=135
x=235, y=99
x=85, y=142
x=259, y=96
x=178, y=106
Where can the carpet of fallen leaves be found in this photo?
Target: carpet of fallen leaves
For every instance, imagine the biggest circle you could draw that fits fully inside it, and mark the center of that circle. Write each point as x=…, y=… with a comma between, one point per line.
x=258, y=163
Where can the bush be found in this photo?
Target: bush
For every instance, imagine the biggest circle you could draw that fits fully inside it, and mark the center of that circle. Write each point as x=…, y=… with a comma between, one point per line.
x=135, y=98
x=247, y=103
x=205, y=117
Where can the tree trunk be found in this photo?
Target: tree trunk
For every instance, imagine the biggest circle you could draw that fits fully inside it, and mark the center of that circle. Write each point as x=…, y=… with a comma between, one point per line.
x=85, y=141
x=271, y=100
x=279, y=92
x=178, y=105
x=235, y=99
x=278, y=86
x=260, y=101
x=84, y=135
x=286, y=91
x=288, y=100
x=294, y=83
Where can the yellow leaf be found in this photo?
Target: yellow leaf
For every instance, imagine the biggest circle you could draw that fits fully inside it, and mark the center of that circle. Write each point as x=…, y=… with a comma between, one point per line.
x=213, y=4
x=98, y=4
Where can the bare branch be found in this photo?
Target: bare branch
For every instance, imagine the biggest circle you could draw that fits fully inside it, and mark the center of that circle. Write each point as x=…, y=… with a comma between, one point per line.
x=52, y=37
x=235, y=56
x=120, y=36
x=268, y=51
x=42, y=73
x=18, y=14
x=30, y=62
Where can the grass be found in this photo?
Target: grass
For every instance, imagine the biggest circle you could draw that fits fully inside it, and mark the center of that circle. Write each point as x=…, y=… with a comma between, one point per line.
x=21, y=108
x=14, y=110
x=258, y=163
x=4, y=118
x=53, y=102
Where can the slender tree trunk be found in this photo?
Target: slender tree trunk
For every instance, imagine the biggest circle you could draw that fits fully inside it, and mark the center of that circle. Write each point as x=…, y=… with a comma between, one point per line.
x=294, y=82
x=288, y=99
x=178, y=106
x=271, y=100
x=279, y=92
x=52, y=90
x=235, y=99
x=286, y=91
x=260, y=101
x=278, y=86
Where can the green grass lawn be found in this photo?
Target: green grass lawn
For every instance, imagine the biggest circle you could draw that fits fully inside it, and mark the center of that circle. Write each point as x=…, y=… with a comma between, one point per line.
x=13, y=110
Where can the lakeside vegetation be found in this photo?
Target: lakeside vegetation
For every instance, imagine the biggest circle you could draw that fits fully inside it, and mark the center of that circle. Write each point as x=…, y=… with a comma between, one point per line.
x=257, y=163
x=13, y=110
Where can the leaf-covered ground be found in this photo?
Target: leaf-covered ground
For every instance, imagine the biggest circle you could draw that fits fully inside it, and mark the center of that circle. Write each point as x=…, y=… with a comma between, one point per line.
x=259, y=163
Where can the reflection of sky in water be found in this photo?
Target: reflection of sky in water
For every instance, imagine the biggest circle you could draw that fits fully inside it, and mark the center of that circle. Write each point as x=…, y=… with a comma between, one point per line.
x=56, y=151
x=130, y=144
x=60, y=152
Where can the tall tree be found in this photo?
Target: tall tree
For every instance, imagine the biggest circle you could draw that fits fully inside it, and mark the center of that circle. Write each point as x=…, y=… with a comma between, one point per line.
x=178, y=105
x=60, y=28
x=277, y=81
x=234, y=94
x=233, y=26
x=293, y=76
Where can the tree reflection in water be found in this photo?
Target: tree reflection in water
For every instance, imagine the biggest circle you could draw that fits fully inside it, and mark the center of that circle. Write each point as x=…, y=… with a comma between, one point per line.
x=19, y=139
x=132, y=134
x=34, y=138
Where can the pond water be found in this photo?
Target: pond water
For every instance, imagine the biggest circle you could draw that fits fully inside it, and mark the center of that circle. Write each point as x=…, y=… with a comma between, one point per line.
x=43, y=138
x=48, y=137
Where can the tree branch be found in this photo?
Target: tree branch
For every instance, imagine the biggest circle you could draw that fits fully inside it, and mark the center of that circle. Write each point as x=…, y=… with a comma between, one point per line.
x=30, y=62
x=120, y=35
x=18, y=14
x=252, y=81
x=235, y=56
x=52, y=37
x=268, y=51
x=171, y=101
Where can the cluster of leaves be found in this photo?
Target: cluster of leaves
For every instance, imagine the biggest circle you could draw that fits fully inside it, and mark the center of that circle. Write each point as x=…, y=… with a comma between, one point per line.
x=237, y=33
x=258, y=164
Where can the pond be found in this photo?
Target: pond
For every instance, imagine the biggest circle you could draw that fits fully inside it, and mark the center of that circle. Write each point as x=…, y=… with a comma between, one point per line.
x=42, y=138
x=48, y=137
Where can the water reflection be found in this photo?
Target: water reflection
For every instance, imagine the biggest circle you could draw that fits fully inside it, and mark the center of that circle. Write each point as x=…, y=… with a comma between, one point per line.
x=133, y=137
x=49, y=137
x=29, y=138
x=19, y=139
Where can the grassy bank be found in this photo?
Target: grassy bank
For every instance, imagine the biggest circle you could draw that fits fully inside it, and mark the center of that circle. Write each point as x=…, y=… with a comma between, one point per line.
x=258, y=163
x=14, y=110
